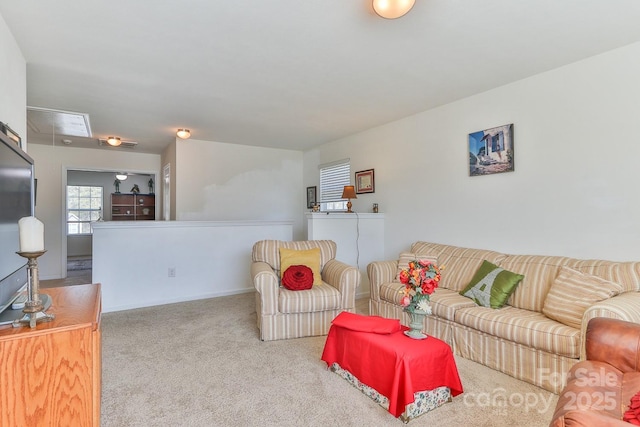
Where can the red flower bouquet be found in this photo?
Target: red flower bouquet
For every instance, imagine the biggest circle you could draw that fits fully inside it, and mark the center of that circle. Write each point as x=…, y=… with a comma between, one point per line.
x=420, y=280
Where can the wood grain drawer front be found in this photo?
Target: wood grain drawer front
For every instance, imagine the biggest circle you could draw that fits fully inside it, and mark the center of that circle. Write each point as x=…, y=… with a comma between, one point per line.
x=48, y=380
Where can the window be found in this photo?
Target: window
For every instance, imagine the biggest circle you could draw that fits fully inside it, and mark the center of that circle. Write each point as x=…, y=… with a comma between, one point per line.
x=333, y=177
x=84, y=206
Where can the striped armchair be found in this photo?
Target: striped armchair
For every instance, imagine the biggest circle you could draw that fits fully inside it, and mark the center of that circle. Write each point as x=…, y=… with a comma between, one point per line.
x=282, y=313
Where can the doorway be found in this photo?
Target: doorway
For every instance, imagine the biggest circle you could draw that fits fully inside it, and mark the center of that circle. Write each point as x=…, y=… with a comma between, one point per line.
x=81, y=211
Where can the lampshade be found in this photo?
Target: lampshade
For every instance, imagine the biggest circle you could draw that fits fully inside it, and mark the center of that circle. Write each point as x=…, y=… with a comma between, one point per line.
x=114, y=141
x=121, y=176
x=392, y=9
x=183, y=133
x=349, y=192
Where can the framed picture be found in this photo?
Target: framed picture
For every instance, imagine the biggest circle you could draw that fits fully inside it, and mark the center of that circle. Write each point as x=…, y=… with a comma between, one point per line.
x=311, y=196
x=365, y=182
x=491, y=151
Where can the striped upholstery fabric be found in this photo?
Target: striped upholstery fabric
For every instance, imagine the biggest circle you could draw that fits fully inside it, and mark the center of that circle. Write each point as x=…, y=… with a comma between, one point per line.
x=460, y=264
x=318, y=298
x=391, y=292
x=344, y=278
x=539, y=272
x=573, y=292
x=518, y=339
x=543, y=369
x=625, y=273
x=283, y=314
x=524, y=327
x=266, y=283
x=445, y=303
x=380, y=272
x=269, y=251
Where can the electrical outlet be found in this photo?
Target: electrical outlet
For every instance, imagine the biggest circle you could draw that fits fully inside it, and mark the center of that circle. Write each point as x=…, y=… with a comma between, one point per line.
x=172, y=272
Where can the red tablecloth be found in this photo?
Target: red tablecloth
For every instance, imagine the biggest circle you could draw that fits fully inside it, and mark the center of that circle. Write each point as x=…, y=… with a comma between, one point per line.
x=391, y=363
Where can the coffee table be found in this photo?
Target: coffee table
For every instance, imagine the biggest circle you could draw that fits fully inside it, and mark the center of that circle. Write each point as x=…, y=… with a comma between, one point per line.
x=377, y=353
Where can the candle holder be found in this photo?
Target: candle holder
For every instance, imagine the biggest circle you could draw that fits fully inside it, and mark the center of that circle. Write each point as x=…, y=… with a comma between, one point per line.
x=33, y=308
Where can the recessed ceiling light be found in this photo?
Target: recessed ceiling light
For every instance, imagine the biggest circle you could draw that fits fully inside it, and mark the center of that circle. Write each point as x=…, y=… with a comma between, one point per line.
x=121, y=176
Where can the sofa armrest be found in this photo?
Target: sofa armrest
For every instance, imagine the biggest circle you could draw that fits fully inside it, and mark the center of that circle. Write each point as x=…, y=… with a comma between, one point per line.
x=622, y=307
x=265, y=281
x=615, y=342
x=380, y=272
x=345, y=278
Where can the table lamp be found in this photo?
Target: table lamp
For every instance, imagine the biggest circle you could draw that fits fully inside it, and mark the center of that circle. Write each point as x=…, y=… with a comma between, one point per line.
x=349, y=193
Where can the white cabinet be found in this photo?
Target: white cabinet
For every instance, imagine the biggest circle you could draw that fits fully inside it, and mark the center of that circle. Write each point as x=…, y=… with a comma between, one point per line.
x=359, y=237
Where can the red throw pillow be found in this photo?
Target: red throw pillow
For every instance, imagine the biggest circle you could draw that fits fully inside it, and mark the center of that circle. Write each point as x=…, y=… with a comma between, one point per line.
x=297, y=278
x=633, y=413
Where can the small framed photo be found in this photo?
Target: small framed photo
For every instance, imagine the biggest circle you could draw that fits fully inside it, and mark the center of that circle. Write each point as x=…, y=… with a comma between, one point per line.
x=365, y=182
x=491, y=151
x=311, y=196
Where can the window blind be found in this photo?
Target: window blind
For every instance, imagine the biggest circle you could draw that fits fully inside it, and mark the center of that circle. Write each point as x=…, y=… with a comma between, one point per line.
x=333, y=178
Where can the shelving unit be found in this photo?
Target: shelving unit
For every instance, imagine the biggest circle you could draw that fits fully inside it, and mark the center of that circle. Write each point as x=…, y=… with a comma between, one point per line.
x=133, y=207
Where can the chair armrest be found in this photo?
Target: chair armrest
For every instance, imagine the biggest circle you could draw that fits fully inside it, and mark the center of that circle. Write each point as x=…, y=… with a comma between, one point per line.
x=577, y=418
x=345, y=278
x=380, y=272
x=265, y=281
x=622, y=307
x=614, y=341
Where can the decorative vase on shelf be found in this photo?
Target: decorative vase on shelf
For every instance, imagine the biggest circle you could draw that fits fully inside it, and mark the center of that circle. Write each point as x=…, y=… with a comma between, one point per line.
x=417, y=321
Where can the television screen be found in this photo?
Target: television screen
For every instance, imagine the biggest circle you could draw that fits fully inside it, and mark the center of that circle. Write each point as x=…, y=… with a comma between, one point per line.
x=16, y=201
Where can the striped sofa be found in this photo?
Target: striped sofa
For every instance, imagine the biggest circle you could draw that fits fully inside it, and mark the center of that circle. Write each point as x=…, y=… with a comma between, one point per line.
x=282, y=313
x=518, y=339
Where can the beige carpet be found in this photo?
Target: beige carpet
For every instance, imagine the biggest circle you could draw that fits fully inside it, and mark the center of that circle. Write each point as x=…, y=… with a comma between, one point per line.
x=200, y=363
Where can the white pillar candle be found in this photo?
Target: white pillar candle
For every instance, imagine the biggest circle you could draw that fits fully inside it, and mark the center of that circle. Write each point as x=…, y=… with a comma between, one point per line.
x=31, y=234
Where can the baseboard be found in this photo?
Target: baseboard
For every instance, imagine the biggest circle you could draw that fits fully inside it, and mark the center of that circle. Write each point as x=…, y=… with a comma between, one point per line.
x=165, y=301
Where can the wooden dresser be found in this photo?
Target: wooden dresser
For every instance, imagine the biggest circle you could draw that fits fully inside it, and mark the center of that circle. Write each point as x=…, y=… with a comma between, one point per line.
x=51, y=375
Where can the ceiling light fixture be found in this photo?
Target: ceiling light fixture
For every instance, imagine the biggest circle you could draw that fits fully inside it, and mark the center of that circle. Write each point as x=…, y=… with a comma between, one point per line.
x=392, y=9
x=121, y=176
x=114, y=141
x=183, y=133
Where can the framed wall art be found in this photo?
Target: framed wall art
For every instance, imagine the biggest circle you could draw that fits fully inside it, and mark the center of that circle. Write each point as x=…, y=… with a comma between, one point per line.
x=365, y=182
x=311, y=196
x=491, y=151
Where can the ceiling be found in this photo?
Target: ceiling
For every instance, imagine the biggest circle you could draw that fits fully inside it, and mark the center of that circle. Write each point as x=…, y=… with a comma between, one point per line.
x=289, y=74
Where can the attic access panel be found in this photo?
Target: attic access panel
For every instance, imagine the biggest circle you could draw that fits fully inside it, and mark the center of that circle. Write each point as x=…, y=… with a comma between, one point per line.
x=58, y=122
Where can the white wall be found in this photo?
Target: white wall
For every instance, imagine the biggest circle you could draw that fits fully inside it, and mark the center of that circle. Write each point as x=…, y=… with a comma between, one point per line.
x=13, y=83
x=208, y=258
x=575, y=187
x=359, y=239
x=51, y=166
x=218, y=182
